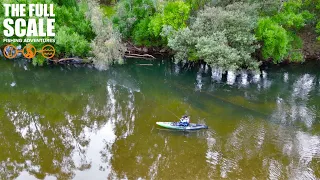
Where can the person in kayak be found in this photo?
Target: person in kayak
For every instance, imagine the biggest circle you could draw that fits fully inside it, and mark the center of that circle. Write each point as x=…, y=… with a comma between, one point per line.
x=184, y=121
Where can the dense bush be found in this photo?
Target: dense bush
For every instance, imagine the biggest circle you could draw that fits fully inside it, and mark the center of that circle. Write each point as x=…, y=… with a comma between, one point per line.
x=75, y=19
x=130, y=13
x=196, y=5
x=142, y=36
x=108, y=11
x=219, y=37
x=70, y=43
x=175, y=14
x=275, y=38
x=293, y=15
x=278, y=32
x=143, y=21
x=73, y=31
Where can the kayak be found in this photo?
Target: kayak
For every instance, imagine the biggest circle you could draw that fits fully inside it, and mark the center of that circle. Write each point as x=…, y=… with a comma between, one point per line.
x=175, y=125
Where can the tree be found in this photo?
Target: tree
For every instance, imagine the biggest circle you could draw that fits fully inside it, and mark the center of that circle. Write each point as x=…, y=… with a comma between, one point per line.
x=275, y=39
x=143, y=21
x=278, y=32
x=106, y=47
x=219, y=37
x=174, y=16
x=129, y=13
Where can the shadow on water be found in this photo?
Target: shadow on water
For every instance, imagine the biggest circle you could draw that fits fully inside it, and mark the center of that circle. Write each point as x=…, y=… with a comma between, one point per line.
x=182, y=132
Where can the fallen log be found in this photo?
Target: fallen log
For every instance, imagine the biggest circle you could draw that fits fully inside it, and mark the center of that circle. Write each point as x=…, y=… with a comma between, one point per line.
x=145, y=56
x=74, y=60
x=70, y=59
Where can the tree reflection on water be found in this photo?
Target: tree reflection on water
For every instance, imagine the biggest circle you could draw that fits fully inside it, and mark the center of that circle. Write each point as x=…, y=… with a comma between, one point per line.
x=79, y=123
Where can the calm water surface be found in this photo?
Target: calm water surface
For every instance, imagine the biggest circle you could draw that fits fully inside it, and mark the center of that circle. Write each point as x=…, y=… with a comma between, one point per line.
x=79, y=123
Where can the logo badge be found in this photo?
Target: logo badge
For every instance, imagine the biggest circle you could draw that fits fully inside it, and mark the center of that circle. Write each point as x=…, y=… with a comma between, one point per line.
x=29, y=51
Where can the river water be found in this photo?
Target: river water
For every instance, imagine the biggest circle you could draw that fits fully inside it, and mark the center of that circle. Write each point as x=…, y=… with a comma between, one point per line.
x=80, y=123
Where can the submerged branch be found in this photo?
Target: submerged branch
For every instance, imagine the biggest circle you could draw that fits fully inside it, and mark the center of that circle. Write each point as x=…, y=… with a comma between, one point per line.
x=72, y=60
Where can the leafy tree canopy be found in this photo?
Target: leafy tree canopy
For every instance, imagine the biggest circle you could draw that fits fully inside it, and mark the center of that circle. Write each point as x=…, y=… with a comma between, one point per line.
x=219, y=37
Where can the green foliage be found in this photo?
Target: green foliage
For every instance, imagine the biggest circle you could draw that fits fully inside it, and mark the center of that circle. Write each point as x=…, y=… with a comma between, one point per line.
x=176, y=14
x=130, y=13
x=141, y=34
x=156, y=24
x=219, y=37
x=107, y=2
x=295, y=53
x=108, y=11
x=74, y=18
x=73, y=31
x=292, y=15
x=278, y=32
x=67, y=3
x=312, y=6
x=38, y=60
x=318, y=29
x=70, y=43
x=275, y=39
x=143, y=21
x=195, y=5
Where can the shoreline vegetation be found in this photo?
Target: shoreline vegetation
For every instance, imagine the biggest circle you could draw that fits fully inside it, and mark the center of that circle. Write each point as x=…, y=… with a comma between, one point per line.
x=228, y=34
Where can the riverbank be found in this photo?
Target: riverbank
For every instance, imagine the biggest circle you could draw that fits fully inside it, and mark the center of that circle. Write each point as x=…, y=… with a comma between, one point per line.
x=189, y=31
x=310, y=44
x=152, y=53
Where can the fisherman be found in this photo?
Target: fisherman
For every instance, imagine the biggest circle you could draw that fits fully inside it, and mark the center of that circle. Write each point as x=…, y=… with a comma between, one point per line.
x=184, y=121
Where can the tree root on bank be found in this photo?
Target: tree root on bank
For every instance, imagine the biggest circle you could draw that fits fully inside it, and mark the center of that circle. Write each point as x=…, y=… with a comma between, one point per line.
x=144, y=52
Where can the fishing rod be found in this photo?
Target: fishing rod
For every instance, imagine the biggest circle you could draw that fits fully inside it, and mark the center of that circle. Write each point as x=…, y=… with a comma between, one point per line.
x=171, y=112
x=166, y=109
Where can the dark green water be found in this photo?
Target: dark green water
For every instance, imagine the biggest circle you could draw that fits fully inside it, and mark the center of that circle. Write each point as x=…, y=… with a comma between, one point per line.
x=79, y=123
